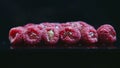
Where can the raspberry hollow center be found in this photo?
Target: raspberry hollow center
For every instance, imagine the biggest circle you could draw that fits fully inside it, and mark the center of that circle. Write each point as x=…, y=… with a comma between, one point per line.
x=67, y=33
x=32, y=35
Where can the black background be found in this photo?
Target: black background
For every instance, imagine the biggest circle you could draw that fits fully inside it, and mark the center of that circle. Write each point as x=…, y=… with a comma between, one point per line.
x=95, y=12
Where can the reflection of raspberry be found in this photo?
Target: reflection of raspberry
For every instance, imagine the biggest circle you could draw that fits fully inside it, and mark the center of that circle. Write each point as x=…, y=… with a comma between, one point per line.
x=16, y=35
x=32, y=35
x=106, y=34
x=70, y=35
x=50, y=35
x=89, y=35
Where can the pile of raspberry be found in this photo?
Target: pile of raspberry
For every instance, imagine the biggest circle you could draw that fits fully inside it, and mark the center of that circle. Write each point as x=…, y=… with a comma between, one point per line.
x=57, y=35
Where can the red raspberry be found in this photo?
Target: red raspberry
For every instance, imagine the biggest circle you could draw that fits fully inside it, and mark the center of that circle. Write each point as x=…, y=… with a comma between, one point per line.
x=16, y=35
x=89, y=35
x=32, y=35
x=50, y=35
x=70, y=35
x=106, y=34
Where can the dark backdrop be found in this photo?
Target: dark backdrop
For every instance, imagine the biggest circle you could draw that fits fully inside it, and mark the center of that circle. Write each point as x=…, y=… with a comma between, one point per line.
x=20, y=12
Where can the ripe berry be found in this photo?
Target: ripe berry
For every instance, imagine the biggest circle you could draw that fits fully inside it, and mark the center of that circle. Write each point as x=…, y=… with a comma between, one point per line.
x=106, y=34
x=89, y=35
x=50, y=35
x=16, y=35
x=70, y=35
x=32, y=35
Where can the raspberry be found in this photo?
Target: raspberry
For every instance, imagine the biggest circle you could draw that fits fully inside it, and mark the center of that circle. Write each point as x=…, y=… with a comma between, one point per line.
x=89, y=35
x=70, y=35
x=50, y=35
x=78, y=33
x=106, y=34
x=32, y=35
x=16, y=35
